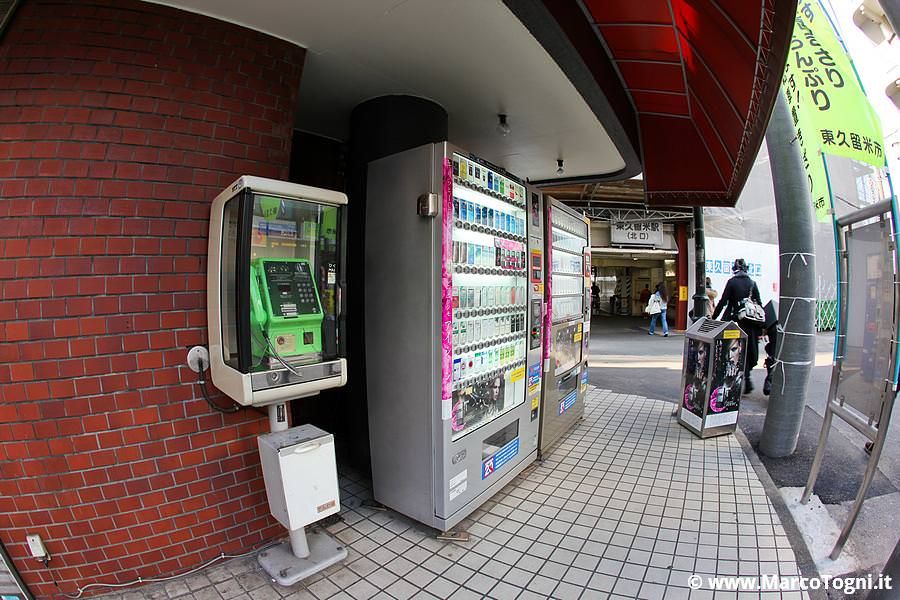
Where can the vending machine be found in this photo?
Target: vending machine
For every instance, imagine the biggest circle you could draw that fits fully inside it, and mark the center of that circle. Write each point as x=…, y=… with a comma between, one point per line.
x=568, y=321
x=454, y=282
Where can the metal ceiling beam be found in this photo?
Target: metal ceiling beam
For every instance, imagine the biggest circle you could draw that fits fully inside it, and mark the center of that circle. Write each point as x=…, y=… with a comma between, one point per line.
x=626, y=215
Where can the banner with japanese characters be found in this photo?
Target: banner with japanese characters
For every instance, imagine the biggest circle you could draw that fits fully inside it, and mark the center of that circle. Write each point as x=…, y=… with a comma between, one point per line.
x=828, y=106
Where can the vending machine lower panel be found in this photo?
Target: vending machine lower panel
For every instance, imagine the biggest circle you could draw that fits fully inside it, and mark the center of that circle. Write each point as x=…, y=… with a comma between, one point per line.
x=563, y=398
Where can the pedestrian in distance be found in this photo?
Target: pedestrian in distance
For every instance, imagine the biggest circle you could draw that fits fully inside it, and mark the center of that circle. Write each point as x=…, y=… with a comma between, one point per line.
x=711, y=296
x=656, y=307
x=645, y=295
x=738, y=289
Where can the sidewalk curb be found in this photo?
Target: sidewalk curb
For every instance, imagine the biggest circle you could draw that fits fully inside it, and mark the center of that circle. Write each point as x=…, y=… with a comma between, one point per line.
x=801, y=553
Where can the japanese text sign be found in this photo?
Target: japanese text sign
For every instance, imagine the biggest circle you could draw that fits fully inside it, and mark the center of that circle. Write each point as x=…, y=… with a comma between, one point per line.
x=829, y=109
x=636, y=233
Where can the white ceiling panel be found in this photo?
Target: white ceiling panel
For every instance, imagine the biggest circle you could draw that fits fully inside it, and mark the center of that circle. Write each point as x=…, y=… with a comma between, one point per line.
x=473, y=57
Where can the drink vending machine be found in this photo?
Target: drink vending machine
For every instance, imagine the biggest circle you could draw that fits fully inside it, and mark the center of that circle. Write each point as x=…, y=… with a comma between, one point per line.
x=568, y=320
x=453, y=330
x=276, y=333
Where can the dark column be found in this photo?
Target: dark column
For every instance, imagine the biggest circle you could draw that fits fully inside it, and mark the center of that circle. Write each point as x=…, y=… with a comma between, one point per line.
x=378, y=128
x=891, y=10
x=699, y=264
x=681, y=275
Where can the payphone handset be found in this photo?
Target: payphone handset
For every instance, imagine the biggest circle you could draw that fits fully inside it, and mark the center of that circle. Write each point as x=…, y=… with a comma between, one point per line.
x=286, y=311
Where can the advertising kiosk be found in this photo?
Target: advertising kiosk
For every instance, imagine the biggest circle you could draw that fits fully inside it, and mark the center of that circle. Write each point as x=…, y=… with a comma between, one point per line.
x=713, y=377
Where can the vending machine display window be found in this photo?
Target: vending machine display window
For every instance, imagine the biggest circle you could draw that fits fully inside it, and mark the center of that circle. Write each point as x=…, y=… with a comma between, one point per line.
x=489, y=297
x=276, y=275
x=567, y=269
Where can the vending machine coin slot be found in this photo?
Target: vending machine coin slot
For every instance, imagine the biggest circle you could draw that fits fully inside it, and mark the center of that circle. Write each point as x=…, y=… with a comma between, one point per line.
x=537, y=266
x=535, y=336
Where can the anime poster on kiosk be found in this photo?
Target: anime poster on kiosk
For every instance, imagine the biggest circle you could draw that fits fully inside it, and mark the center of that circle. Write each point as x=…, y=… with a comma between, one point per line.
x=696, y=383
x=728, y=376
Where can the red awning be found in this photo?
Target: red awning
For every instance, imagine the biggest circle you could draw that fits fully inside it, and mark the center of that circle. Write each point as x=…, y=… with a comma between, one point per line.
x=702, y=75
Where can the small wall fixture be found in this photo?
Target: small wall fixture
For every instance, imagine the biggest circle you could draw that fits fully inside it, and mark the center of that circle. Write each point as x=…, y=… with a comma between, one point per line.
x=559, y=166
x=502, y=125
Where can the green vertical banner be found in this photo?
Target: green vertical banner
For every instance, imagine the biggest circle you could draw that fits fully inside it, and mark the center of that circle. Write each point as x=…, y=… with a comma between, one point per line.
x=828, y=105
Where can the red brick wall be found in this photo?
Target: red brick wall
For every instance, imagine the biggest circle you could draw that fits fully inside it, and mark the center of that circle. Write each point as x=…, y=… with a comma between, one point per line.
x=119, y=122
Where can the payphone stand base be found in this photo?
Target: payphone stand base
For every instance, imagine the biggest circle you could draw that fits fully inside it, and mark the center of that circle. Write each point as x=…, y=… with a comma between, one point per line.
x=286, y=569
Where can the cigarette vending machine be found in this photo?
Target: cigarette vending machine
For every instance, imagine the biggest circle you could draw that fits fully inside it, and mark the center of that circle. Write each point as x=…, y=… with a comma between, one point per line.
x=568, y=320
x=453, y=330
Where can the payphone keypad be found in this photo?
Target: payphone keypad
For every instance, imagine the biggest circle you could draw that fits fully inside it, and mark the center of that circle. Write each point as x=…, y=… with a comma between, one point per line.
x=291, y=289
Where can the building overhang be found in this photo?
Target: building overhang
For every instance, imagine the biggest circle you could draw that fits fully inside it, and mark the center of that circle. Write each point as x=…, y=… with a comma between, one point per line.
x=475, y=58
x=680, y=90
x=703, y=76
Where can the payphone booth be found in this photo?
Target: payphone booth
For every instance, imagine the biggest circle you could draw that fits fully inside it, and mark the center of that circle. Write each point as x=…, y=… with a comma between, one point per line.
x=712, y=377
x=275, y=284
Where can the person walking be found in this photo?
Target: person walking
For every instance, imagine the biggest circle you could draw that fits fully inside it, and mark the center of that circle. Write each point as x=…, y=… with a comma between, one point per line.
x=644, y=298
x=711, y=296
x=656, y=306
x=739, y=287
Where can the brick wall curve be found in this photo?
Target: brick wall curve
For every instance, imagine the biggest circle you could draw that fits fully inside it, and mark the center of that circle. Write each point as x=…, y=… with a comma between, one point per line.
x=119, y=122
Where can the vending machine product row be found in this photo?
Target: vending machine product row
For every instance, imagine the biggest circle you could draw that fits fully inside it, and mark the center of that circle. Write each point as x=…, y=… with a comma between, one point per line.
x=454, y=293
x=568, y=321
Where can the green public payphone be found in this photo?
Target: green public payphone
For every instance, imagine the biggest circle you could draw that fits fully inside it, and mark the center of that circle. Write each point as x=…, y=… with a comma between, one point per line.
x=275, y=286
x=286, y=309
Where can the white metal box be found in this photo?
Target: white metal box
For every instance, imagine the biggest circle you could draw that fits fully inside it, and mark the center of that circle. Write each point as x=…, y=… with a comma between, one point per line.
x=300, y=472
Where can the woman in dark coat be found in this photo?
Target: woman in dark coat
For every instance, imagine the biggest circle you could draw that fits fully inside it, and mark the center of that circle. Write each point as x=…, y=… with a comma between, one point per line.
x=740, y=286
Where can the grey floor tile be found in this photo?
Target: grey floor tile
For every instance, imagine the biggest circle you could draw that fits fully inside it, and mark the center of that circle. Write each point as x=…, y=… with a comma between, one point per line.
x=442, y=588
x=323, y=589
x=464, y=594
x=518, y=577
x=401, y=590
x=567, y=591
x=458, y=573
x=420, y=577
x=381, y=578
x=602, y=582
x=362, y=590
x=505, y=591
x=481, y=583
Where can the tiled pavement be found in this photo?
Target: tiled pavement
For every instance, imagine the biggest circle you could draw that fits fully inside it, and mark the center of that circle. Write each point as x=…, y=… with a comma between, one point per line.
x=628, y=505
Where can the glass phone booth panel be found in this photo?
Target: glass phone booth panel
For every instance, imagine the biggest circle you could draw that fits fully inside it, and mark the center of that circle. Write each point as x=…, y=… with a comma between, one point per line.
x=289, y=257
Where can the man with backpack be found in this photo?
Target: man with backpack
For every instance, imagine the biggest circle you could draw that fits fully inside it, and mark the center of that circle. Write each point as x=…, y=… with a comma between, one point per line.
x=741, y=302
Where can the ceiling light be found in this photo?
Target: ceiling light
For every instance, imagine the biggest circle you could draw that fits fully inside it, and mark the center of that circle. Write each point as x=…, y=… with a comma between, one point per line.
x=502, y=125
x=559, y=166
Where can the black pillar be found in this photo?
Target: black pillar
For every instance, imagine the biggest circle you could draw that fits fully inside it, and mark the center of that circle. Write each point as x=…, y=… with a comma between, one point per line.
x=699, y=264
x=379, y=127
